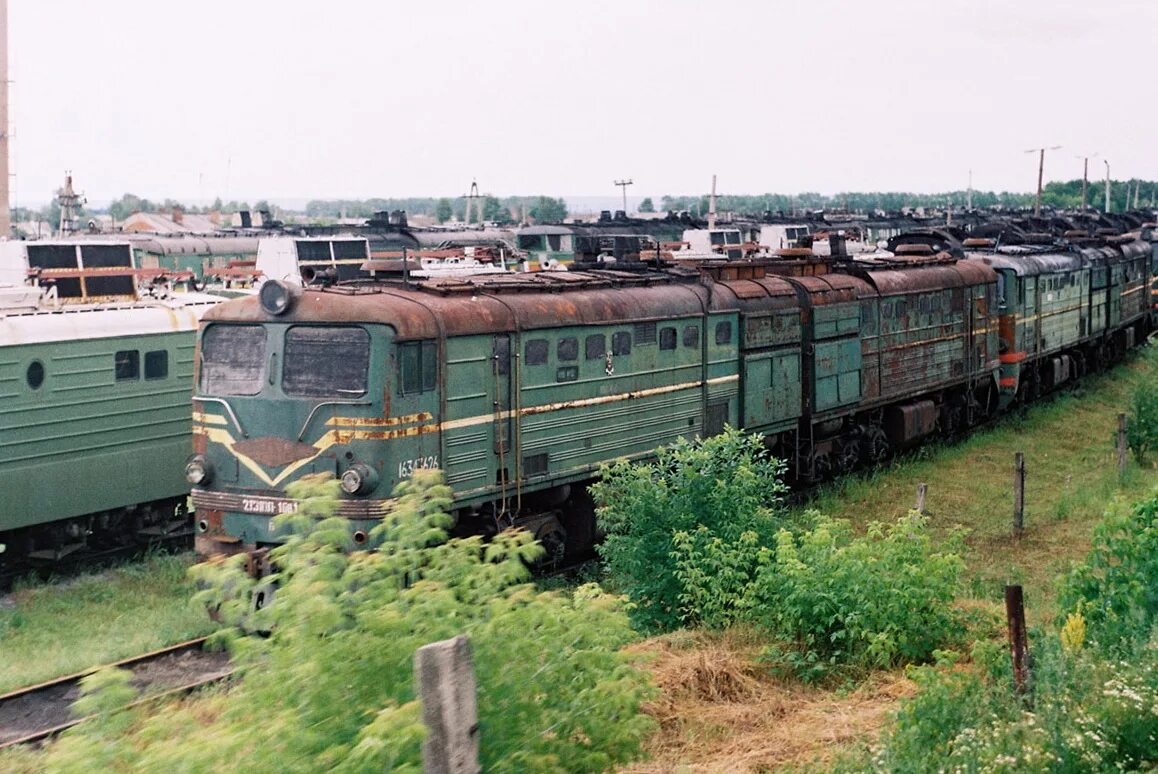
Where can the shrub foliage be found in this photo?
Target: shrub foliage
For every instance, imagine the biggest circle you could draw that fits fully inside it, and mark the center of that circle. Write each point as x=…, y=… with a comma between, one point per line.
x=332, y=687
x=1095, y=699
x=1142, y=427
x=698, y=537
x=713, y=489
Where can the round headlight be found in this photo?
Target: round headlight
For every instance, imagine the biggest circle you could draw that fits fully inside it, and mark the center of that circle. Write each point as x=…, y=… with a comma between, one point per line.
x=277, y=297
x=198, y=471
x=359, y=479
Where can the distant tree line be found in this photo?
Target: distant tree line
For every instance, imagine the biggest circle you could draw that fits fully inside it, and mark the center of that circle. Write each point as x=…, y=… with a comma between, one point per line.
x=1056, y=194
x=545, y=209
x=487, y=207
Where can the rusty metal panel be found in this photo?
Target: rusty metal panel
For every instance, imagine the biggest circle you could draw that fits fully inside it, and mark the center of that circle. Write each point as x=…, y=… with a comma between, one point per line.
x=893, y=281
x=907, y=423
x=767, y=330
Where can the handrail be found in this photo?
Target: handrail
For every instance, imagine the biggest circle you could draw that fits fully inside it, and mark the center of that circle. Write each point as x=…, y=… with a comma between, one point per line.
x=317, y=406
x=228, y=409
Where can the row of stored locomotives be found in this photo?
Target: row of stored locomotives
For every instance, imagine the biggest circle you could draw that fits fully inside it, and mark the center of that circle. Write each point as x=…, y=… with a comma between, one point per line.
x=520, y=387
x=96, y=358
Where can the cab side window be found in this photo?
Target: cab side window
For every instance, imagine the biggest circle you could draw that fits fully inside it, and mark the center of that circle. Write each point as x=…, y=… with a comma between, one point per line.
x=417, y=367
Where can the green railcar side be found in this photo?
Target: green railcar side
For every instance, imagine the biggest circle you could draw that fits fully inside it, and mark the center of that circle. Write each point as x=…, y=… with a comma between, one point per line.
x=92, y=425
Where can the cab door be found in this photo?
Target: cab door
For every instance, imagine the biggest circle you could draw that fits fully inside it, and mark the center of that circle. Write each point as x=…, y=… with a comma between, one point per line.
x=504, y=420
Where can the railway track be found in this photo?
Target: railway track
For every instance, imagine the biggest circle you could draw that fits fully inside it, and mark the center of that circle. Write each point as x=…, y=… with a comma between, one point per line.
x=31, y=715
x=88, y=560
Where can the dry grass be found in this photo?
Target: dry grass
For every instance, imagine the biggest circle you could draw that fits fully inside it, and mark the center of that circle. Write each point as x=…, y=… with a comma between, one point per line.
x=718, y=712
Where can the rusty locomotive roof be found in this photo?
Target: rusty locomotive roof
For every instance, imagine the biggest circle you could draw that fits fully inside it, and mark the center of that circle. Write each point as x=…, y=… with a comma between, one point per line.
x=489, y=303
x=508, y=302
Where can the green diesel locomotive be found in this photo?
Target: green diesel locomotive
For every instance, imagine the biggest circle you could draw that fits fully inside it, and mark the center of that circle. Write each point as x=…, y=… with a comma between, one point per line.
x=519, y=387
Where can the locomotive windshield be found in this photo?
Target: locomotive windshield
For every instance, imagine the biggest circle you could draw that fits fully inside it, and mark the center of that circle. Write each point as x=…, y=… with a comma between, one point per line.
x=326, y=362
x=232, y=359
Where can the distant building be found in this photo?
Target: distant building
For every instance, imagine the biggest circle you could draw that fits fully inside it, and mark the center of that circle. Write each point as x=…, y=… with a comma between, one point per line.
x=175, y=222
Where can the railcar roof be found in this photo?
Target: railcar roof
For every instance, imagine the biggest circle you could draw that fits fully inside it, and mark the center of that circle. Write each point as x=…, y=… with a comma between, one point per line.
x=490, y=303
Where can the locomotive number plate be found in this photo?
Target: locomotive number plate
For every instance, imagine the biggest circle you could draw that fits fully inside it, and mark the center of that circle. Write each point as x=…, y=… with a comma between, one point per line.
x=267, y=507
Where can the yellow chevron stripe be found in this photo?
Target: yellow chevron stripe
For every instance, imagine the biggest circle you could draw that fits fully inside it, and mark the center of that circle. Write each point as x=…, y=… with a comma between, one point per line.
x=222, y=436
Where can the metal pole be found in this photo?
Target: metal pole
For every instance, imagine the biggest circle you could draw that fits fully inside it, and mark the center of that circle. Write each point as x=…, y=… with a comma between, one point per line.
x=1085, y=180
x=5, y=212
x=1040, y=172
x=1018, y=495
x=1018, y=641
x=1122, y=445
x=1107, y=185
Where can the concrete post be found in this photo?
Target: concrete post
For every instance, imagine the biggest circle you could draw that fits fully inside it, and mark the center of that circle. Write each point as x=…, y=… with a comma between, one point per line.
x=444, y=672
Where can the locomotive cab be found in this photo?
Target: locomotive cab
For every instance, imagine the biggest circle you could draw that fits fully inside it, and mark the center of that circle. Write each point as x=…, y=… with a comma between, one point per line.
x=276, y=401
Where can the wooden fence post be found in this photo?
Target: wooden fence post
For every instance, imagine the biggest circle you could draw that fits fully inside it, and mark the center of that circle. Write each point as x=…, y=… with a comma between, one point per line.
x=922, y=490
x=1018, y=494
x=1018, y=641
x=1122, y=446
x=444, y=672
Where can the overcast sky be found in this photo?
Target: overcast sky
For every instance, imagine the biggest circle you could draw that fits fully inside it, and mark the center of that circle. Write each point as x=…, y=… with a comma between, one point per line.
x=357, y=98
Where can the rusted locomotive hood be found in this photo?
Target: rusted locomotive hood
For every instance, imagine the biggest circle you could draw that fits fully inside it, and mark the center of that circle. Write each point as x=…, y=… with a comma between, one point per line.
x=890, y=282
x=425, y=312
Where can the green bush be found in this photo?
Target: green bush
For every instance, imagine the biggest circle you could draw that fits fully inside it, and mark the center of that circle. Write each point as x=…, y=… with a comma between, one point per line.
x=1091, y=714
x=1115, y=589
x=1142, y=424
x=727, y=485
x=1094, y=702
x=332, y=687
x=869, y=601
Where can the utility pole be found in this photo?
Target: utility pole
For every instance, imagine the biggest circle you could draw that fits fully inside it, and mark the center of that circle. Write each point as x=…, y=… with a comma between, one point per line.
x=623, y=184
x=1107, y=184
x=969, y=193
x=1040, y=174
x=712, y=205
x=1086, y=177
x=470, y=199
x=5, y=212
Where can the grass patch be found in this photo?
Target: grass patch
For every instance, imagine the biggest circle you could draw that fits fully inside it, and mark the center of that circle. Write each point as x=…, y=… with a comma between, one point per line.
x=1071, y=475
x=54, y=629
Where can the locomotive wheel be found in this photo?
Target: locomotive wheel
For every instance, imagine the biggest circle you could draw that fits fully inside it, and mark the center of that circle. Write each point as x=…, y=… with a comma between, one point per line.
x=952, y=416
x=878, y=447
x=850, y=455
x=579, y=523
x=821, y=466
x=553, y=538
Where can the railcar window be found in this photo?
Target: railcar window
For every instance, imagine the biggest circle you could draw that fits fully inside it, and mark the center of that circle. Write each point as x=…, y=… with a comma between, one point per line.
x=536, y=351
x=724, y=332
x=554, y=242
x=644, y=333
x=127, y=365
x=568, y=349
x=35, y=374
x=325, y=362
x=667, y=338
x=596, y=346
x=691, y=336
x=621, y=343
x=232, y=359
x=417, y=367
x=157, y=364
